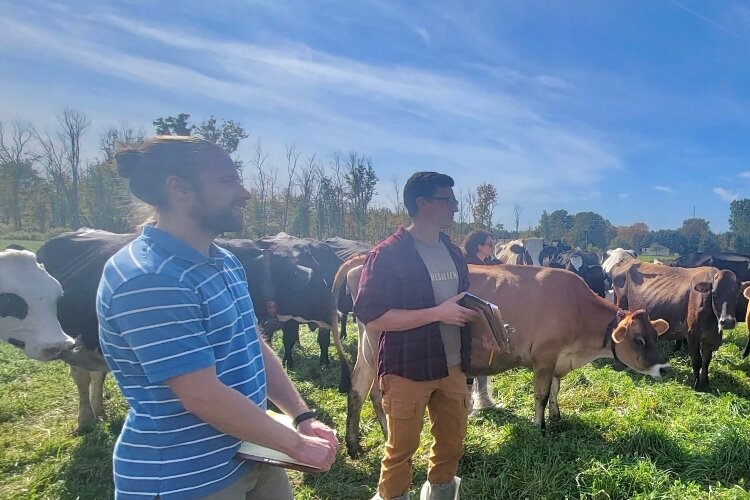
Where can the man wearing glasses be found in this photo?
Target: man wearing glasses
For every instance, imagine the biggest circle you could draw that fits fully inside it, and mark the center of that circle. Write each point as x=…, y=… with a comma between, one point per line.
x=409, y=291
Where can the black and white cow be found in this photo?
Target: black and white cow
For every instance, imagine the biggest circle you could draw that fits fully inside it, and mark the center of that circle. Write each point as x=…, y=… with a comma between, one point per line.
x=77, y=259
x=586, y=265
x=309, y=305
x=28, y=307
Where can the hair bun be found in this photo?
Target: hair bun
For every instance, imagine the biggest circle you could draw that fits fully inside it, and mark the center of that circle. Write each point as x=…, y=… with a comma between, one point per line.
x=127, y=161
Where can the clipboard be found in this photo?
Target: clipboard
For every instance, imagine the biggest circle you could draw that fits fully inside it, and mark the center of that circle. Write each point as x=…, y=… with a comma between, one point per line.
x=263, y=454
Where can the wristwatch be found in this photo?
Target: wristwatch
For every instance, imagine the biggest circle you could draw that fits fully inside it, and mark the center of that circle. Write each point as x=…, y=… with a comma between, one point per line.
x=304, y=416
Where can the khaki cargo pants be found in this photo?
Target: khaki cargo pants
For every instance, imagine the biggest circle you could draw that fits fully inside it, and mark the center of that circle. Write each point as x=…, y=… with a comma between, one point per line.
x=404, y=402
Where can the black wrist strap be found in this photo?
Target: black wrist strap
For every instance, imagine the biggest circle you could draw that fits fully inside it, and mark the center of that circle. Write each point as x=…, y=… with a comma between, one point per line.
x=304, y=416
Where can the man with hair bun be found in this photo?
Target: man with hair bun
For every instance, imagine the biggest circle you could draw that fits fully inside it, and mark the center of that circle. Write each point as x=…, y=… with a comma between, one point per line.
x=178, y=331
x=409, y=291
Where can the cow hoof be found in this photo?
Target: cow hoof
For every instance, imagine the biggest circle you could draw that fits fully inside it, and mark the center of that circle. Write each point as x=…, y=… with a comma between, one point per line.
x=354, y=450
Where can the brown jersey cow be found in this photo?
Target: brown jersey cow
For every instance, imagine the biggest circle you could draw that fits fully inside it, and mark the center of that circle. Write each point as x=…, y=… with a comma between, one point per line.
x=559, y=325
x=698, y=303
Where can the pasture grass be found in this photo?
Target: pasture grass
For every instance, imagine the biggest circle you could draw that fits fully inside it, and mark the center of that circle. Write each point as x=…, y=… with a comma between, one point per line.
x=622, y=435
x=31, y=245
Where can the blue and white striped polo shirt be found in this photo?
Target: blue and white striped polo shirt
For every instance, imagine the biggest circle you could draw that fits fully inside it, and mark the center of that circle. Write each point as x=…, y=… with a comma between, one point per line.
x=166, y=310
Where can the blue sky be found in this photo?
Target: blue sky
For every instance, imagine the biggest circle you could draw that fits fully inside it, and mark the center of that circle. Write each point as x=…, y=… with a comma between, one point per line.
x=637, y=110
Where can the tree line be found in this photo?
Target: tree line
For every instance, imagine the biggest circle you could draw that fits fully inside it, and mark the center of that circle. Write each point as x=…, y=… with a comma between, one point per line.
x=48, y=184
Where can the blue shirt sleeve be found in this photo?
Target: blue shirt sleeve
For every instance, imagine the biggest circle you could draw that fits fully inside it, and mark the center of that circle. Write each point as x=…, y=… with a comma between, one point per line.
x=161, y=321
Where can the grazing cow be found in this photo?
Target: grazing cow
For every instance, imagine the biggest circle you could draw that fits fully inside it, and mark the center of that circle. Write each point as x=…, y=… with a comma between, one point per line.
x=77, y=260
x=345, y=250
x=737, y=263
x=559, y=326
x=658, y=262
x=28, y=307
x=311, y=304
x=698, y=303
x=528, y=254
x=586, y=265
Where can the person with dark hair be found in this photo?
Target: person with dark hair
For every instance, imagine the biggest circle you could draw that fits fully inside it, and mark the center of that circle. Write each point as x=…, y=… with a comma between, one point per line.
x=178, y=331
x=409, y=291
x=479, y=248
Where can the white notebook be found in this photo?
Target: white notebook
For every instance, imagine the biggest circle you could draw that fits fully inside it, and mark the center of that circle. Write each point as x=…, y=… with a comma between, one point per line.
x=258, y=453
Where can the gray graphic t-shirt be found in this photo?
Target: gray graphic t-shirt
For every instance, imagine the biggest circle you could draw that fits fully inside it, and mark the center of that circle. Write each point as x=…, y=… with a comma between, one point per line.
x=444, y=278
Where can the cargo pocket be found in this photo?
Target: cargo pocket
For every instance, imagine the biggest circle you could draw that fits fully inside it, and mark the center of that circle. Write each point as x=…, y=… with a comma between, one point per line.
x=400, y=410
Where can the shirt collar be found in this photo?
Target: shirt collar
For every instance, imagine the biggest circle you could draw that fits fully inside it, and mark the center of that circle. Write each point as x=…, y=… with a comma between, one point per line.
x=401, y=233
x=180, y=249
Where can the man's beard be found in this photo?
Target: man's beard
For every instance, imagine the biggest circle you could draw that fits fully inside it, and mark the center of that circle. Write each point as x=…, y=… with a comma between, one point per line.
x=220, y=221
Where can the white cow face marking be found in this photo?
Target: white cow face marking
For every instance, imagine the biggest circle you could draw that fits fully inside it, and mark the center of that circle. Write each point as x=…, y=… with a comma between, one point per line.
x=28, y=307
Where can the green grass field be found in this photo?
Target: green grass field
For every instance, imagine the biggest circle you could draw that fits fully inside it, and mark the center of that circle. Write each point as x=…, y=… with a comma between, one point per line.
x=622, y=435
x=32, y=245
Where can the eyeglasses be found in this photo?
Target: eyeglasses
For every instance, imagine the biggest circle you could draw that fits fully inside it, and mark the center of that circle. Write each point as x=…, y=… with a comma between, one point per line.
x=449, y=200
x=485, y=244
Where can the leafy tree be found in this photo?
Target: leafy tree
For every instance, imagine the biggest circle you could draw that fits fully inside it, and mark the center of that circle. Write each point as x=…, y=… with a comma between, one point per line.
x=560, y=222
x=589, y=229
x=361, y=180
x=739, y=225
x=485, y=204
x=174, y=125
x=698, y=234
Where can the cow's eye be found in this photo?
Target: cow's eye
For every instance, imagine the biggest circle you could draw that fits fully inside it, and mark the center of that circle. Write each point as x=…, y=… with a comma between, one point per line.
x=641, y=341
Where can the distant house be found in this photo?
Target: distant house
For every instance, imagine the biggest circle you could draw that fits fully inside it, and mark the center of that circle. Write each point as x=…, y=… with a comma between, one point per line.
x=655, y=249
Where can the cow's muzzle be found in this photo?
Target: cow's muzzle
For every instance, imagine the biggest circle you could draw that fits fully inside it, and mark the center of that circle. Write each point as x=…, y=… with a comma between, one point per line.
x=727, y=322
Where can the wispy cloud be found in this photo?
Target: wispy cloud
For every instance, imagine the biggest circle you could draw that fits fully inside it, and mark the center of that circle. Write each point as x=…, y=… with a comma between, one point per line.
x=664, y=189
x=424, y=35
x=725, y=194
x=623, y=196
x=709, y=21
x=745, y=174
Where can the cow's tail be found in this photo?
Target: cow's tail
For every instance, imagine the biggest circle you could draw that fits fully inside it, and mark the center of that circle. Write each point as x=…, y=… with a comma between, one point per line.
x=345, y=379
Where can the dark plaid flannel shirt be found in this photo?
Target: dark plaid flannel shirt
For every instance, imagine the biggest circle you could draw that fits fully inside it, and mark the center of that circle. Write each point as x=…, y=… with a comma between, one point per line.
x=395, y=277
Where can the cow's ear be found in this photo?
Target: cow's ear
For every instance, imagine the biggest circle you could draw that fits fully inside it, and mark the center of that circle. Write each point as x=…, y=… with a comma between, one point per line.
x=618, y=334
x=703, y=287
x=660, y=325
x=745, y=287
x=515, y=248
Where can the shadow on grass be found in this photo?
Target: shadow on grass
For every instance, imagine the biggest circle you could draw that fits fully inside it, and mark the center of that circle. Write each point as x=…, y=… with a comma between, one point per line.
x=576, y=459
x=88, y=473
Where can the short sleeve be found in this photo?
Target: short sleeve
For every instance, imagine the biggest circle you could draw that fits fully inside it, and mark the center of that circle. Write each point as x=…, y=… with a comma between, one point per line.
x=160, y=320
x=374, y=289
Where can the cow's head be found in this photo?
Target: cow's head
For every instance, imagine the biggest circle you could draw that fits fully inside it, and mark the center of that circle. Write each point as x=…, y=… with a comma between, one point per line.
x=724, y=292
x=28, y=307
x=635, y=343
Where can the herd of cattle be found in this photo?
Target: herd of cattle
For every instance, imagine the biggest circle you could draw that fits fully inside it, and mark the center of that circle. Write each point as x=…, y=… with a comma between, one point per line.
x=544, y=293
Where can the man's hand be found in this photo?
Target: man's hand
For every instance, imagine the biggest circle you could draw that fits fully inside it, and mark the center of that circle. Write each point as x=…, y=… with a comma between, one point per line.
x=315, y=451
x=314, y=427
x=450, y=313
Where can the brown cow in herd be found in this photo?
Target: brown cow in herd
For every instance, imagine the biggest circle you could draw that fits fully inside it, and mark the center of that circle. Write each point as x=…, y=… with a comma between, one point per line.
x=699, y=303
x=559, y=325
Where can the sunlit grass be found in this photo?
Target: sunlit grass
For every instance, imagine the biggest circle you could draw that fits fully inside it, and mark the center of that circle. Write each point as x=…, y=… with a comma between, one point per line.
x=622, y=435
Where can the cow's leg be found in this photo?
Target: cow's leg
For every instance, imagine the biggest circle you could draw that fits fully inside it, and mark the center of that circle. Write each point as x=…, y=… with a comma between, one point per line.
x=678, y=345
x=481, y=394
x=554, y=410
x=290, y=330
x=324, y=341
x=363, y=377
x=377, y=402
x=543, y=376
x=694, y=349
x=707, y=352
x=342, y=325
x=86, y=415
x=96, y=393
